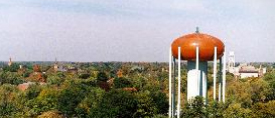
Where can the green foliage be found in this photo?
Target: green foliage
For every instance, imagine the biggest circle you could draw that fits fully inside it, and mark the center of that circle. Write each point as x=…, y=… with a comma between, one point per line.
x=45, y=101
x=121, y=82
x=71, y=96
x=26, y=74
x=236, y=111
x=55, y=80
x=10, y=78
x=138, y=82
x=151, y=103
x=84, y=76
x=159, y=116
x=79, y=94
x=33, y=91
x=264, y=110
x=216, y=109
x=13, y=68
x=90, y=102
x=270, y=78
x=249, y=91
x=161, y=101
x=60, y=75
x=102, y=76
x=7, y=97
x=259, y=90
x=195, y=109
x=146, y=105
x=115, y=104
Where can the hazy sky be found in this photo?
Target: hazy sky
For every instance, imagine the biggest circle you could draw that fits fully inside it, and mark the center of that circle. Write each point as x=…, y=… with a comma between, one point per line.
x=131, y=30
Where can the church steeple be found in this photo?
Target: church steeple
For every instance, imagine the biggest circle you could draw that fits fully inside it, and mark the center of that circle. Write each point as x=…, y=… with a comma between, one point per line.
x=10, y=62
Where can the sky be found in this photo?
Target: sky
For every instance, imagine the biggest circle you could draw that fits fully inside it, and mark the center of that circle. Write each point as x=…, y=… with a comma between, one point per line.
x=131, y=30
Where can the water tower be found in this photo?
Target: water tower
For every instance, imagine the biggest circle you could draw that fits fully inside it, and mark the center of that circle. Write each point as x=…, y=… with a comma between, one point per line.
x=197, y=49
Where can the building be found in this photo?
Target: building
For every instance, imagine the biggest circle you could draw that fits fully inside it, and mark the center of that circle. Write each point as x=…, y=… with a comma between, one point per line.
x=231, y=62
x=244, y=71
x=59, y=67
x=10, y=62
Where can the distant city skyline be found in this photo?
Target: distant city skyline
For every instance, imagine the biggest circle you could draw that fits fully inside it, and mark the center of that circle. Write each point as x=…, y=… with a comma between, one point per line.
x=124, y=30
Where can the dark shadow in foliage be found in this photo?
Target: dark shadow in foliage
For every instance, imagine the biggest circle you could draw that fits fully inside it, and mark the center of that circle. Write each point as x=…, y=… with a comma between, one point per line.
x=84, y=76
x=115, y=104
x=161, y=101
x=33, y=91
x=121, y=82
x=102, y=76
x=71, y=96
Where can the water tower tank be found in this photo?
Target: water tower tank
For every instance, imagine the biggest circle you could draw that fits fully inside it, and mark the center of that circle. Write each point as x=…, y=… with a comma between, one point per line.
x=205, y=42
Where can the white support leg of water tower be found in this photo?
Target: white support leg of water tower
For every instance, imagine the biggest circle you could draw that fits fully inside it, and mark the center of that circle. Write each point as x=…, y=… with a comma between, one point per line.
x=179, y=79
x=173, y=87
x=214, y=73
x=170, y=82
x=224, y=75
x=220, y=80
x=204, y=86
x=197, y=69
x=193, y=77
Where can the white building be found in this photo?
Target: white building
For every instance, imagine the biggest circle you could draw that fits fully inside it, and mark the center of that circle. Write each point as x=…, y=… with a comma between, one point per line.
x=248, y=71
x=231, y=62
x=244, y=71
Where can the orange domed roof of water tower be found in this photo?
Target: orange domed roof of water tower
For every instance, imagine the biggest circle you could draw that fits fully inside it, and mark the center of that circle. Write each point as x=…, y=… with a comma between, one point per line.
x=205, y=42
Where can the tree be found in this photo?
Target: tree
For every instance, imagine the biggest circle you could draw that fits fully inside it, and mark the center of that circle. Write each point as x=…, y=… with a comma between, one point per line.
x=84, y=75
x=121, y=82
x=90, y=102
x=71, y=96
x=115, y=104
x=146, y=106
x=270, y=78
x=161, y=101
x=264, y=110
x=195, y=109
x=215, y=109
x=46, y=100
x=10, y=78
x=236, y=111
x=7, y=98
x=102, y=76
x=12, y=68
